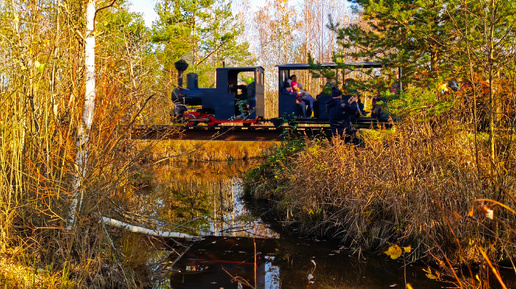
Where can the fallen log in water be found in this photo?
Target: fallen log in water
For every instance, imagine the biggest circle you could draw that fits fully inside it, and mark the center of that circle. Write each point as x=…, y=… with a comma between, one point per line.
x=142, y=230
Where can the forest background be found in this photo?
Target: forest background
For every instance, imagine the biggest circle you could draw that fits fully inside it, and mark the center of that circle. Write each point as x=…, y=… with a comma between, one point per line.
x=63, y=167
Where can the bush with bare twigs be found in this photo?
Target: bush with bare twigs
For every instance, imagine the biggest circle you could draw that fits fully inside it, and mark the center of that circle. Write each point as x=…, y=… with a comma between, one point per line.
x=420, y=185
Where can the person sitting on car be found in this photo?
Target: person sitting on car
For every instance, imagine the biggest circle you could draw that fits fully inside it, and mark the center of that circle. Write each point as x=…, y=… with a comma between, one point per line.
x=287, y=90
x=304, y=97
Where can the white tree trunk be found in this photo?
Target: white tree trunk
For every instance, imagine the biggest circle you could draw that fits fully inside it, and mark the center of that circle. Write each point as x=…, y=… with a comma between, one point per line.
x=141, y=230
x=87, y=116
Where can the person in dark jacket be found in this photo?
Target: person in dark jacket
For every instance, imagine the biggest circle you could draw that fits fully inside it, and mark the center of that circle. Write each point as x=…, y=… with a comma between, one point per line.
x=339, y=113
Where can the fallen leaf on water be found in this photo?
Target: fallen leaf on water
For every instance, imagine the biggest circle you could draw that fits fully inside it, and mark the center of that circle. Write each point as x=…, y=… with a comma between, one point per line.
x=394, y=252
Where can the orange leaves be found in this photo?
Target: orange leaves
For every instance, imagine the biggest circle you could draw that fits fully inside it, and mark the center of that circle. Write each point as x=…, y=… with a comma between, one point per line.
x=472, y=212
x=435, y=275
x=484, y=210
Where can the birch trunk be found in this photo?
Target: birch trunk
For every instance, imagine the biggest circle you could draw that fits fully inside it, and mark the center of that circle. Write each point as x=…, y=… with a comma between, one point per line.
x=87, y=116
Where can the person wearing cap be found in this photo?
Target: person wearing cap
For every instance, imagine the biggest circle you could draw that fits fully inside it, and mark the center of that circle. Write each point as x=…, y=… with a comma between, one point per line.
x=287, y=89
x=339, y=113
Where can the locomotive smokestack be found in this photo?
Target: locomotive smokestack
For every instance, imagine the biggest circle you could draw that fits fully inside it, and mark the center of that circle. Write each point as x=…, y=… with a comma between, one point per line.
x=181, y=66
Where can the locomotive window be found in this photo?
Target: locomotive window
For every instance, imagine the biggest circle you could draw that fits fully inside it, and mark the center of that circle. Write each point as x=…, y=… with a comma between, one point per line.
x=244, y=77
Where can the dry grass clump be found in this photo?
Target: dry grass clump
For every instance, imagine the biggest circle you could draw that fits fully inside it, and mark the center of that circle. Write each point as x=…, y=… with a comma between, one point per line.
x=416, y=187
x=15, y=275
x=191, y=150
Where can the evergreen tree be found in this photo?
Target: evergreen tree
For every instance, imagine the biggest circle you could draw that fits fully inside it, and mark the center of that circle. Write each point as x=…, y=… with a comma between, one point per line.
x=220, y=43
x=411, y=34
x=200, y=31
x=433, y=41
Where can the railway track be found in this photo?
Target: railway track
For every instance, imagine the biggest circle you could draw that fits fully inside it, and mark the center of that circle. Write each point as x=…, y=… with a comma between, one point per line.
x=257, y=132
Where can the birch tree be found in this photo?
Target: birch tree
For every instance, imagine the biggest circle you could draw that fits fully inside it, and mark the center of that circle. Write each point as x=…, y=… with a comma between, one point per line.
x=87, y=116
x=276, y=28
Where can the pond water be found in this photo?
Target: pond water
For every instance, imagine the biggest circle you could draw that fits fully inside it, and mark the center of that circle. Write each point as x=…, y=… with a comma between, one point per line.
x=241, y=251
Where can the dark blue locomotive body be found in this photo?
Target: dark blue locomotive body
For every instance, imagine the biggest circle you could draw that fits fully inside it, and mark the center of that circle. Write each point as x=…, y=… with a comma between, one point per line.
x=232, y=100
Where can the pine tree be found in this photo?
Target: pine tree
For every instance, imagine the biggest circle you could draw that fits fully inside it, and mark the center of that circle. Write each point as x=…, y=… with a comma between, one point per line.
x=433, y=41
x=412, y=34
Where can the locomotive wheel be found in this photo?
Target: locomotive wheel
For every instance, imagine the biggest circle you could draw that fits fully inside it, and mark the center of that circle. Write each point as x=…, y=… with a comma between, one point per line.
x=190, y=122
x=211, y=120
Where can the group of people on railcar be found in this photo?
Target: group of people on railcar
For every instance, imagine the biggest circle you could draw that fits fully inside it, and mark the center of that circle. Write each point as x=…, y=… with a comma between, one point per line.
x=341, y=112
x=342, y=109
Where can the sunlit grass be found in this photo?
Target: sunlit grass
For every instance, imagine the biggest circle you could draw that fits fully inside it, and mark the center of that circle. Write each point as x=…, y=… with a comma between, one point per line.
x=15, y=273
x=414, y=186
x=190, y=150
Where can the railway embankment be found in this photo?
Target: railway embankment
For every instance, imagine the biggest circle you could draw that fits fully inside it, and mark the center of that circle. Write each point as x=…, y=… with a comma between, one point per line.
x=423, y=187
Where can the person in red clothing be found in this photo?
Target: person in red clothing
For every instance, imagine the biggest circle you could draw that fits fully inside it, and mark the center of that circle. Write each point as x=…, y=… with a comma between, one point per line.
x=287, y=89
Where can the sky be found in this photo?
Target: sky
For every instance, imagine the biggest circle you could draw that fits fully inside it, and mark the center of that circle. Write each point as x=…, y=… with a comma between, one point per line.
x=146, y=7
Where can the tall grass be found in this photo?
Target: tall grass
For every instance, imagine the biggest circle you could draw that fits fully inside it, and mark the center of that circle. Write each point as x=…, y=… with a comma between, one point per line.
x=419, y=186
x=41, y=99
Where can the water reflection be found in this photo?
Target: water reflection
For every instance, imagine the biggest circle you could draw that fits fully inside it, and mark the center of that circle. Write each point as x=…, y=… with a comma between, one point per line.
x=202, y=199
x=240, y=251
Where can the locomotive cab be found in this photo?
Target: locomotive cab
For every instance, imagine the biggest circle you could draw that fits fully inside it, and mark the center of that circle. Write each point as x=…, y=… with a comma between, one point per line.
x=235, y=94
x=237, y=97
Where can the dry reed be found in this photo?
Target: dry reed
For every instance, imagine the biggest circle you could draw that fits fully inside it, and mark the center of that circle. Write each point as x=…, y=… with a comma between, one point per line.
x=417, y=186
x=199, y=151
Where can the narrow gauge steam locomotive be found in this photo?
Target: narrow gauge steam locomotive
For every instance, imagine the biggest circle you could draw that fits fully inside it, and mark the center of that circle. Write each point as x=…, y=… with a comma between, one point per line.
x=231, y=103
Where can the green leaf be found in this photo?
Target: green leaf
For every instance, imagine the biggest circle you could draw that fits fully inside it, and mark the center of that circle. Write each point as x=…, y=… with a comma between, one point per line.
x=39, y=66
